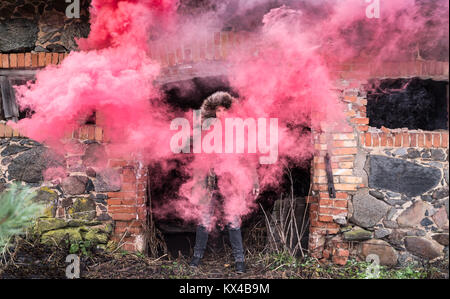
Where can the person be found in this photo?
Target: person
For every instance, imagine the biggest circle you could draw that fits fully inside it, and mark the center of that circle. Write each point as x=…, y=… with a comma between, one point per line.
x=211, y=197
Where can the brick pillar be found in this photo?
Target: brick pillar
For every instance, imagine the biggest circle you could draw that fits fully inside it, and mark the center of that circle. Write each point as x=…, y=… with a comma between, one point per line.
x=127, y=207
x=327, y=214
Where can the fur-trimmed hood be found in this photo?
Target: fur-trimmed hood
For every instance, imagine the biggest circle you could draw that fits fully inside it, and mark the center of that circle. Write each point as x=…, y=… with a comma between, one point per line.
x=219, y=98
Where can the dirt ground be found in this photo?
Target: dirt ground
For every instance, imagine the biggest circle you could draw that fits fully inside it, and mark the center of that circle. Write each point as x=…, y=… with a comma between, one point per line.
x=39, y=262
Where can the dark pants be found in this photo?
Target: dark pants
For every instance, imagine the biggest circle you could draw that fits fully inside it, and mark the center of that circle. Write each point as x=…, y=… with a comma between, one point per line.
x=201, y=238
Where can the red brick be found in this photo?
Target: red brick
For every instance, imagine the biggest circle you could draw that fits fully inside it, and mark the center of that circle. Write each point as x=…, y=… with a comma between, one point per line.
x=325, y=218
x=350, y=99
x=117, y=163
x=383, y=139
x=55, y=58
x=444, y=140
x=121, y=194
x=360, y=120
x=21, y=60
x=8, y=131
x=436, y=140
x=385, y=130
x=34, y=60
x=41, y=60
x=340, y=203
x=98, y=134
x=420, y=140
x=341, y=195
x=344, y=151
x=5, y=61
x=340, y=260
x=428, y=140
x=12, y=60
x=405, y=137
x=48, y=58
x=375, y=140
x=368, y=139
x=121, y=209
x=325, y=203
x=413, y=137
x=123, y=216
x=390, y=141
x=27, y=61
x=397, y=139
x=363, y=128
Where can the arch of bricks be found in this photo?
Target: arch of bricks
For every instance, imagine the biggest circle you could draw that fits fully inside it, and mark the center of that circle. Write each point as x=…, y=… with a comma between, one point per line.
x=128, y=206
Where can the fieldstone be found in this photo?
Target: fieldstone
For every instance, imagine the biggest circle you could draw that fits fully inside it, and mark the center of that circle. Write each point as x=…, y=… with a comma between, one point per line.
x=66, y=202
x=96, y=236
x=44, y=225
x=393, y=194
x=104, y=217
x=406, y=259
x=437, y=155
x=89, y=186
x=396, y=237
x=440, y=193
x=376, y=194
x=107, y=180
x=82, y=222
x=446, y=175
x=426, y=222
x=427, y=198
x=402, y=176
x=390, y=215
x=395, y=202
x=13, y=149
x=426, y=154
x=56, y=237
x=357, y=234
x=367, y=210
x=382, y=232
x=18, y=35
x=387, y=254
x=72, y=31
x=441, y=239
x=49, y=198
x=413, y=153
x=29, y=165
x=83, y=208
x=95, y=155
x=441, y=218
x=421, y=232
x=412, y=216
x=400, y=152
x=390, y=224
x=423, y=247
x=56, y=48
x=74, y=185
x=90, y=172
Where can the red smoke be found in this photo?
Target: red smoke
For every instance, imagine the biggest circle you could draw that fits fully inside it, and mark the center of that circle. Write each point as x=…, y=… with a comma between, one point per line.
x=280, y=73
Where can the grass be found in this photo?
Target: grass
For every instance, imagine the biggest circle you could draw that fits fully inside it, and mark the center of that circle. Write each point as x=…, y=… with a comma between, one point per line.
x=311, y=268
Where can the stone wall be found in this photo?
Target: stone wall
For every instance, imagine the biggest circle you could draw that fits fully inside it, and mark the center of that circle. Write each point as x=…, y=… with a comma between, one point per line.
x=74, y=187
x=40, y=26
x=403, y=214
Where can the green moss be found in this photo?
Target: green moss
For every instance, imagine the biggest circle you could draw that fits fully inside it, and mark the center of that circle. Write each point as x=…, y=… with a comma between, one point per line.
x=96, y=236
x=55, y=237
x=47, y=224
x=356, y=234
x=83, y=208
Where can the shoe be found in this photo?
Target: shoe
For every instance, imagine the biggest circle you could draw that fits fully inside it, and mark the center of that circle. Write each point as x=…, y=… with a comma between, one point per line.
x=195, y=262
x=240, y=267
